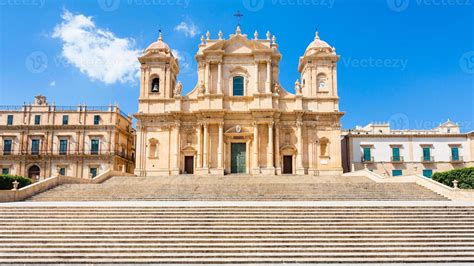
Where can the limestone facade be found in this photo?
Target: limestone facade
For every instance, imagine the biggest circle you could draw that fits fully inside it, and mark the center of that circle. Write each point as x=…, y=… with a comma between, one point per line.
x=238, y=118
x=41, y=140
x=391, y=152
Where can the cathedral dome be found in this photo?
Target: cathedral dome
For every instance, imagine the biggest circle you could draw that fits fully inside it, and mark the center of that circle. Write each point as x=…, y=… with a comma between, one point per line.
x=159, y=46
x=316, y=45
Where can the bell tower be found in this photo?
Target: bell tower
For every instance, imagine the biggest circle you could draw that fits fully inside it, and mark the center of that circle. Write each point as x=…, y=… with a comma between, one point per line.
x=159, y=69
x=318, y=69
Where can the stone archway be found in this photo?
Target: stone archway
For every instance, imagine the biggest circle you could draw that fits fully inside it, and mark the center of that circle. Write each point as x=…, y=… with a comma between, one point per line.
x=34, y=171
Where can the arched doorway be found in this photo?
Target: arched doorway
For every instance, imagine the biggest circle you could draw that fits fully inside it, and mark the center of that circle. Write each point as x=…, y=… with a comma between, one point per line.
x=34, y=171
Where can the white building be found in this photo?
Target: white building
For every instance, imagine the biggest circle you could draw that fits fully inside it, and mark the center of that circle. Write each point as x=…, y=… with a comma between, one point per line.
x=401, y=152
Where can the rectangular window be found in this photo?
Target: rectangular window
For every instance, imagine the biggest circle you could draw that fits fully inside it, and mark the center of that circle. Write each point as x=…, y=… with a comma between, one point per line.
x=367, y=154
x=455, y=153
x=62, y=171
x=93, y=172
x=397, y=172
x=396, y=154
x=35, y=144
x=37, y=119
x=95, y=146
x=65, y=119
x=426, y=154
x=7, y=146
x=96, y=119
x=63, y=146
x=10, y=120
x=5, y=171
x=238, y=86
x=427, y=173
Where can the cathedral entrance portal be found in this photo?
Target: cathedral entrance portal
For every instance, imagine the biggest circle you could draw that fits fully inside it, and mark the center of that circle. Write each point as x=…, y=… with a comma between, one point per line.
x=189, y=165
x=287, y=164
x=237, y=158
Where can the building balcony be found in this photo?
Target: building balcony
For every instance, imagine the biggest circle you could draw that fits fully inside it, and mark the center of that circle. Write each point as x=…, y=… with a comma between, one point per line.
x=367, y=160
x=429, y=159
x=17, y=154
x=457, y=159
x=396, y=159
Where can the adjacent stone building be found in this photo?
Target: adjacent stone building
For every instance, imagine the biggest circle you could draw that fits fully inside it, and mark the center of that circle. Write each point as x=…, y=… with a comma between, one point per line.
x=238, y=118
x=391, y=152
x=41, y=140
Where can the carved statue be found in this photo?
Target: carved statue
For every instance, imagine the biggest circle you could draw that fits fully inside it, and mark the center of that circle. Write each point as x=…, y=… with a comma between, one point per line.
x=202, y=87
x=178, y=88
x=276, y=87
x=298, y=88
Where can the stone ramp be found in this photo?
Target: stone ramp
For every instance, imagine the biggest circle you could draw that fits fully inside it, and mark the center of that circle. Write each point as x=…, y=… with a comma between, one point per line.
x=237, y=234
x=239, y=188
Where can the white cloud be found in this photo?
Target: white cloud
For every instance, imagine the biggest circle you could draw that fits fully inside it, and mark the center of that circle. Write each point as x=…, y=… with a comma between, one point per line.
x=189, y=29
x=52, y=83
x=97, y=52
x=183, y=60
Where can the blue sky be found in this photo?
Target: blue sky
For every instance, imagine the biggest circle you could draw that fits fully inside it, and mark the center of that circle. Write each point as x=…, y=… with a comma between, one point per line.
x=410, y=62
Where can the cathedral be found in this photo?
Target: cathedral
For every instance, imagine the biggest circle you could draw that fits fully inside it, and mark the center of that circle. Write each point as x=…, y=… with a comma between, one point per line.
x=238, y=119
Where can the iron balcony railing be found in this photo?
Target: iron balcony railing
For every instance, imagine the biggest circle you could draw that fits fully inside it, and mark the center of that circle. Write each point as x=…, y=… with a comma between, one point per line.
x=64, y=153
x=456, y=159
x=396, y=159
x=427, y=158
x=367, y=160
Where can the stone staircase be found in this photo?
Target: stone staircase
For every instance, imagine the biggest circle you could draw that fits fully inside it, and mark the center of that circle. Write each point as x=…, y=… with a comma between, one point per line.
x=239, y=188
x=236, y=234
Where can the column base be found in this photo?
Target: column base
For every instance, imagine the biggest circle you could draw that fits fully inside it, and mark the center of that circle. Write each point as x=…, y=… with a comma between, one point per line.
x=268, y=171
x=300, y=171
x=202, y=171
x=175, y=171
x=216, y=171
x=255, y=171
x=278, y=170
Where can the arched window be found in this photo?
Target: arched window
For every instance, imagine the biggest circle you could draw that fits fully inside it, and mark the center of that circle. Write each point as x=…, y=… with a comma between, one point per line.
x=155, y=85
x=238, y=86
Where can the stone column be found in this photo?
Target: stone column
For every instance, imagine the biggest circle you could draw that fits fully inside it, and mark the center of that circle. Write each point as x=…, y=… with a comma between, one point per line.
x=175, y=170
x=220, y=147
x=199, y=146
x=256, y=167
x=206, y=77
x=205, y=145
x=256, y=77
x=269, y=77
x=299, y=157
x=270, y=146
x=219, y=78
x=277, y=148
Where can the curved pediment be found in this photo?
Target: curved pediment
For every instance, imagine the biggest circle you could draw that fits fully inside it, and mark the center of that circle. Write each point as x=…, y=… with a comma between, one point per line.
x=238, y=130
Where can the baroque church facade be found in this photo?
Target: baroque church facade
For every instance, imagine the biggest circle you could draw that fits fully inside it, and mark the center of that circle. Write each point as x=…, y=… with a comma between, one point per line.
x=238, y=119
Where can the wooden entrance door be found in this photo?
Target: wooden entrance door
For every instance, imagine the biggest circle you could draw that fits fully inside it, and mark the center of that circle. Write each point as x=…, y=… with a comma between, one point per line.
x=189, y=165
x=288, y=164
x=237, y=159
